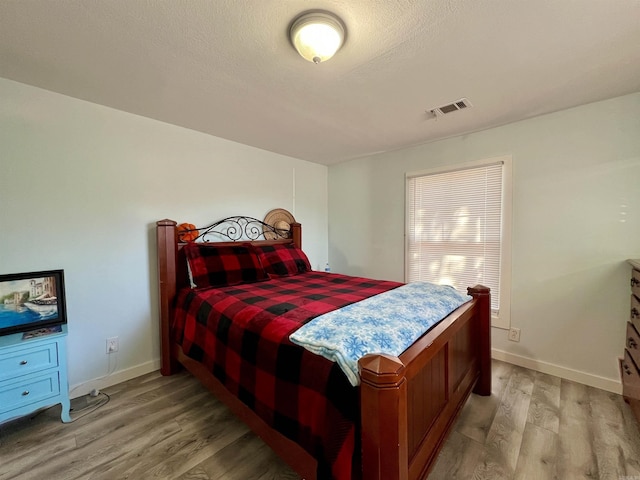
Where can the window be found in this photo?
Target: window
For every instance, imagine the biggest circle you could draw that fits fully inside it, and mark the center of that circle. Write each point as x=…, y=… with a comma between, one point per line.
x=459, y=229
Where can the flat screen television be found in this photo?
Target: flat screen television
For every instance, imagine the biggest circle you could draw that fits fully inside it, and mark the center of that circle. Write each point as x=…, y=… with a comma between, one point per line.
x=32, y=301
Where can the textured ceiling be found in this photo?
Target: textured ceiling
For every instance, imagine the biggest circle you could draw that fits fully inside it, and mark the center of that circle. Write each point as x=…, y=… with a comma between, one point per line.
x=226, y=67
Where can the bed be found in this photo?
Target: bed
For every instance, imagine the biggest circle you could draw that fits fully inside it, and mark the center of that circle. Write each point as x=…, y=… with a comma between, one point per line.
x=391, y=426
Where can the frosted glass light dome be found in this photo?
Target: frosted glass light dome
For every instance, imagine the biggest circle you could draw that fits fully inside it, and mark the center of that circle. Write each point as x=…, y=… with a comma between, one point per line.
x=317, y=36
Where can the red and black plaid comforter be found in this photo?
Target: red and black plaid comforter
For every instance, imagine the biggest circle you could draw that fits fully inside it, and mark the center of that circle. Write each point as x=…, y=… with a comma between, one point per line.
x=241, y=334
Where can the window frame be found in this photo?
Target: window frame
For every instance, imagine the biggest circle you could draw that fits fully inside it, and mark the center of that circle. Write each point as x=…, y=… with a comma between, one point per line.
x=503, y=319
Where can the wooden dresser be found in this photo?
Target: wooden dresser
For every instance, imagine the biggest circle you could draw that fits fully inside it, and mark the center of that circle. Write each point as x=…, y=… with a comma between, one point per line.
x=630, y=364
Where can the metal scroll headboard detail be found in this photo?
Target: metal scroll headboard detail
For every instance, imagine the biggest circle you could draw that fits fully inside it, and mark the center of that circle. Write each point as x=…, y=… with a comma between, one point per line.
x=238, y=229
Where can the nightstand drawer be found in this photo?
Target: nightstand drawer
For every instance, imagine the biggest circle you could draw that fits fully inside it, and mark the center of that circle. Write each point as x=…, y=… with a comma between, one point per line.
x=22, y=361
x=635, y=282
x=27, y=390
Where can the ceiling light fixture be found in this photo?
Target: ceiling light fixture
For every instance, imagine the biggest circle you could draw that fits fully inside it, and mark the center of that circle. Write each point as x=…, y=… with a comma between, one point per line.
x=317, y=36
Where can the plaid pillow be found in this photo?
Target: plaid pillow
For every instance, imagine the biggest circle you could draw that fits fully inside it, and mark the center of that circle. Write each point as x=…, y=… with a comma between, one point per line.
x=283, y=260
x=218, y=266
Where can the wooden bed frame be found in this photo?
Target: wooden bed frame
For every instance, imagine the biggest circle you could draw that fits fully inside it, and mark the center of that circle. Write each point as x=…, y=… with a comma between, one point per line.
x=407, y=404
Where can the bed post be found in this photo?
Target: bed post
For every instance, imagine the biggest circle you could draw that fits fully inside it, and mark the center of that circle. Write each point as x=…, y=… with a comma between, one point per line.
x=482, y=296
x=296, y=234
x=383, y=413
x=167, y=261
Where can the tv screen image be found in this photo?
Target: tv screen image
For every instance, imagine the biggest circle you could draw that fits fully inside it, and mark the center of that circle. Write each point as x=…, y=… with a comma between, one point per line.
x=30, y=301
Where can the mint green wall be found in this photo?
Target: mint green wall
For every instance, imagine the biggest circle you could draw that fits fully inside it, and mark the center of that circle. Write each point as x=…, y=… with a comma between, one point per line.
x=576, y=218
x=81, y=187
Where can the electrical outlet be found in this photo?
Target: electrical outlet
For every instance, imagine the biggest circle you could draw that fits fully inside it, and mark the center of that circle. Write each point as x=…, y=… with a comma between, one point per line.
x=112, y=345
x=514, y=334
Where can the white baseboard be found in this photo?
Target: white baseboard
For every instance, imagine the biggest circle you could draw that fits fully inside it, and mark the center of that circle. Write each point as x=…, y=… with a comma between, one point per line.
x=549, y=368
x=116, y=377
x=563, y=372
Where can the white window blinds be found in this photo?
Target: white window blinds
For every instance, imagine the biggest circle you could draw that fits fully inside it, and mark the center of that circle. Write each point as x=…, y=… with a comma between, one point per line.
x=454, y=223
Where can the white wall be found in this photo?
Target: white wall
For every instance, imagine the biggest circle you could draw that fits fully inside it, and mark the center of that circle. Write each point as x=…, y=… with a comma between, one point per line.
x=81, y=187
x=576, y=218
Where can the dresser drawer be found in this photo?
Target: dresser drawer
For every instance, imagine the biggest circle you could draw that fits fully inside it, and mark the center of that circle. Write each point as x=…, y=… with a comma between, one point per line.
x=635, y=282
x=634, y=312
x=630, y=377
x=27, y=390
x=24, y=360
x=632, y=343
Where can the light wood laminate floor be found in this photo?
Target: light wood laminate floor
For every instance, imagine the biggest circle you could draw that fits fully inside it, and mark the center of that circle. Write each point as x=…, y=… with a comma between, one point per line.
x=534, y=426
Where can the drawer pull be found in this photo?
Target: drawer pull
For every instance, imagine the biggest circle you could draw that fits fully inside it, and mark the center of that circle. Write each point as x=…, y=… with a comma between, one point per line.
x=635, y=313
x=26, y=392
x=626, y=368
x=631, y=343
x=23, y=362
x=634, y=282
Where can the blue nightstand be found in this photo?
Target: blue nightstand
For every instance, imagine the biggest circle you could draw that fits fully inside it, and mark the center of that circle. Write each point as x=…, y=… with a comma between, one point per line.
x=33, y=374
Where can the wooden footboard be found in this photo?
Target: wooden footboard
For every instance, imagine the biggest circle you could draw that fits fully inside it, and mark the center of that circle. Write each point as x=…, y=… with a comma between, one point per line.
x=408, y=403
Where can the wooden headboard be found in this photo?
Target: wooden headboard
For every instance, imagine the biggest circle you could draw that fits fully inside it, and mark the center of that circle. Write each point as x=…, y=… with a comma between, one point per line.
x=172, y=264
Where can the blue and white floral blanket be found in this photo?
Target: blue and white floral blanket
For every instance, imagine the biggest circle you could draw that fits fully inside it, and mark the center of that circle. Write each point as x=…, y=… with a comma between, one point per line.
x=386, y=323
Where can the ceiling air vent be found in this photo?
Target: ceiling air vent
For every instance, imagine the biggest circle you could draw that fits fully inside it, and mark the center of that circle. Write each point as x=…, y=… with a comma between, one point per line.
x=449, y=108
